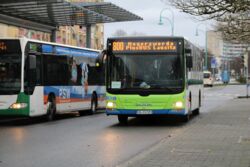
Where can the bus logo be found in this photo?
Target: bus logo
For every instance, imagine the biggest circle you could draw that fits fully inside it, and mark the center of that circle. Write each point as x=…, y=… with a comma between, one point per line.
x=64, y=93
x=143, y=105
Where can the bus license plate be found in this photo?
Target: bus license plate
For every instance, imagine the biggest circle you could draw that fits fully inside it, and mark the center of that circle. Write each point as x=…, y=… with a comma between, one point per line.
x=144, y=112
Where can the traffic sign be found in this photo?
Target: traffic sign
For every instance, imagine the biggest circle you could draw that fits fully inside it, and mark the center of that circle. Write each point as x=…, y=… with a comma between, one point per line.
x=213, y=63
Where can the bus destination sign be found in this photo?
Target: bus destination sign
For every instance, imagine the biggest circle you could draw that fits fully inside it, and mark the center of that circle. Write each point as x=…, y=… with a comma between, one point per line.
x=3, y=47
x=140, y=46
x=9, y=46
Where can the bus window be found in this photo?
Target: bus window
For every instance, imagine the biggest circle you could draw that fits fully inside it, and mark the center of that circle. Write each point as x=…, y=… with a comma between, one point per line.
x=10, y=67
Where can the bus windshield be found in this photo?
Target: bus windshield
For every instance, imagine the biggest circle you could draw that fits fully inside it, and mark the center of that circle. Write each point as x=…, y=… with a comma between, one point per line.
x=151, y=72
x=10, y=69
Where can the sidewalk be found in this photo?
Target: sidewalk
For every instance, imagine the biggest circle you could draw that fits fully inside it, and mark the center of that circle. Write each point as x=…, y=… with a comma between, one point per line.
x=217, y=139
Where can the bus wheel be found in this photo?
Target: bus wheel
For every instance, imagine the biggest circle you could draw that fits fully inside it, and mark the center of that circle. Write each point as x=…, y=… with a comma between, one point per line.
x=51, y=110
x=123, y=119
x=93, y=105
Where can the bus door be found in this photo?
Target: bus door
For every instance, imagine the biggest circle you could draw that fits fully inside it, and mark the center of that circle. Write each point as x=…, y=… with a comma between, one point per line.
x=34, y=83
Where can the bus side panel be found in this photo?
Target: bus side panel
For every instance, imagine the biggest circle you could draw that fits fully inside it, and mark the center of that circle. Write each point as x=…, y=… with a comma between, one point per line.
x=101, y=94
x=73, y=98
x=37, y=103
x=195, y=89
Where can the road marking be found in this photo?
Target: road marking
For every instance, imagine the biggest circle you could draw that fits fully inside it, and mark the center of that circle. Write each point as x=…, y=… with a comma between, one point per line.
x=240, y=140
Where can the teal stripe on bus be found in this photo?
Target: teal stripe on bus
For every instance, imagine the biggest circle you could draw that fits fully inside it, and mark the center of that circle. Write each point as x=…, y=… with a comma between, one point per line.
x=195, y=82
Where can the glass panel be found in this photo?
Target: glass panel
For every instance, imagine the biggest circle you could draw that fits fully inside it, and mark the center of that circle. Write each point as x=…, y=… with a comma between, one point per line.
x=10, y=73
x=146, y=72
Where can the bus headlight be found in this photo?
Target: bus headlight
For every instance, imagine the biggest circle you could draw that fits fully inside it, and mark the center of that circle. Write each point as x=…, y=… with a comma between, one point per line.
x=18, y=105
x=110, y=105
x=179, y=104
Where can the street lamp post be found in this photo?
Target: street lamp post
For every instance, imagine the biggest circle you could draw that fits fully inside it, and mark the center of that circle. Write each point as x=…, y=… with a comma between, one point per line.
x=206, y=52
x=171, y=21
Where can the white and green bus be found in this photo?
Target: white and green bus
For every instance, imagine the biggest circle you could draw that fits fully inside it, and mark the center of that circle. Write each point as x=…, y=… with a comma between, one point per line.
x=153, y=76
x=40, y=78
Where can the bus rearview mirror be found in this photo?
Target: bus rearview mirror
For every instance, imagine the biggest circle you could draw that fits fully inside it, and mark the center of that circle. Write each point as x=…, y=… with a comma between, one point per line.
x=101, y=59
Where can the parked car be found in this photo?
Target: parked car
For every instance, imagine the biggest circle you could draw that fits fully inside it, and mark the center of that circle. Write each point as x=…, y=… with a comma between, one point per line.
x=217, y=77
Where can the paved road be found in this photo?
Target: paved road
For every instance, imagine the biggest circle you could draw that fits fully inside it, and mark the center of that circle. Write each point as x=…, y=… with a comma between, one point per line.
x=92, y=141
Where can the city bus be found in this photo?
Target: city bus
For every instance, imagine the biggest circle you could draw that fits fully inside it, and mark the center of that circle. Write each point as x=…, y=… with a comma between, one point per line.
x=42, y=79
x=153, y=76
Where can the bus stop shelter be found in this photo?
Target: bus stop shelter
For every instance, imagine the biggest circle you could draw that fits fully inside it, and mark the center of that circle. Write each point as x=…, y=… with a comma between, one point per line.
x=48, y=15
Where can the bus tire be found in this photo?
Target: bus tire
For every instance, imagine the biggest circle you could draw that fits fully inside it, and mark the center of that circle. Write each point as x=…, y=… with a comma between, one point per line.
x=123, y=119
x=93, y=106
x=51, y=110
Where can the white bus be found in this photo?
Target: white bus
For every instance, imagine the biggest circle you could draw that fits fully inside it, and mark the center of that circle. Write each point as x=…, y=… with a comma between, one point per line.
x=40, y=78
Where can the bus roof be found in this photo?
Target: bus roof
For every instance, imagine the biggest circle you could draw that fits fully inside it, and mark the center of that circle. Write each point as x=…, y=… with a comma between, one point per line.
x=50, y=43
x=146, y=37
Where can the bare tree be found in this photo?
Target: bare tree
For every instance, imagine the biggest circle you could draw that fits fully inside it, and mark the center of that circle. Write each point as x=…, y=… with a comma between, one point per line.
x=235, y=27
x=210, y=8
x=233, y=16
x=136, y=33
x=120, y=33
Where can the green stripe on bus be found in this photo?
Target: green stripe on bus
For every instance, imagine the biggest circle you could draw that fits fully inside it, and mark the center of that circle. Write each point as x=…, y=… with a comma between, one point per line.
x=21, y=98
x=195, y=82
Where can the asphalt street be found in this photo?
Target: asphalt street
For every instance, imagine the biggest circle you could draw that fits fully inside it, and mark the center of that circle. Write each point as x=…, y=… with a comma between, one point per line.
x=92, y=141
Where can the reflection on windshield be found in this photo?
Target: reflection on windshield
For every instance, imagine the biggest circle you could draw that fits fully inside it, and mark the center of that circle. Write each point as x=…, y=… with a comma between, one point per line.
x=146, y=72
x=10, y=73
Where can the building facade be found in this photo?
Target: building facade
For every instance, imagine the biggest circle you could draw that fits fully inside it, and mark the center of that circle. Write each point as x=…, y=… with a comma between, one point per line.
x=70, y=35
x=220, y=48
x=227, y=54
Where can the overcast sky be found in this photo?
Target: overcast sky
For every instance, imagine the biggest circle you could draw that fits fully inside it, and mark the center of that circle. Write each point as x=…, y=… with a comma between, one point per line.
x=149, y=10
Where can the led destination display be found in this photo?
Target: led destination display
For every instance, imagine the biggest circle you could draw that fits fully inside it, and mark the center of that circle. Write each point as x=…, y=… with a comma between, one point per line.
x=141, y=46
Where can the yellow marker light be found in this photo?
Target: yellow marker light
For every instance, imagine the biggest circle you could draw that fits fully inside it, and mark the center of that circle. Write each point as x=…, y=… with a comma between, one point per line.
x=18, y=105
x=110, y=105
x=179, y=104
x=97, y=64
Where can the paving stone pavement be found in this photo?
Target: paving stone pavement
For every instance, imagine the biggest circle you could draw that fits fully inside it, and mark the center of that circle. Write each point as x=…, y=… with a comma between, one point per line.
x=220, y=138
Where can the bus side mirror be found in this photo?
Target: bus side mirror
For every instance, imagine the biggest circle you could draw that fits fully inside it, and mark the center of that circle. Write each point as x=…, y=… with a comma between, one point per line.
x=189, y=61
x=101, y=59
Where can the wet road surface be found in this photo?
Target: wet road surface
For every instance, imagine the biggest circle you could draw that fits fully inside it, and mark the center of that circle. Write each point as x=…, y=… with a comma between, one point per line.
x=92, y=141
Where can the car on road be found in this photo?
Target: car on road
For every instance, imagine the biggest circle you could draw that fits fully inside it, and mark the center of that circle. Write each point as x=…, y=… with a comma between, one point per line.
x=217, y=77
x=208, y=79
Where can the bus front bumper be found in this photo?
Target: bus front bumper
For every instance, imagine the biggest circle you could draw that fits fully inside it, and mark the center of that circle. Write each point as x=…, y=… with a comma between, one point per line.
x=14, y=113
x=145, y=112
